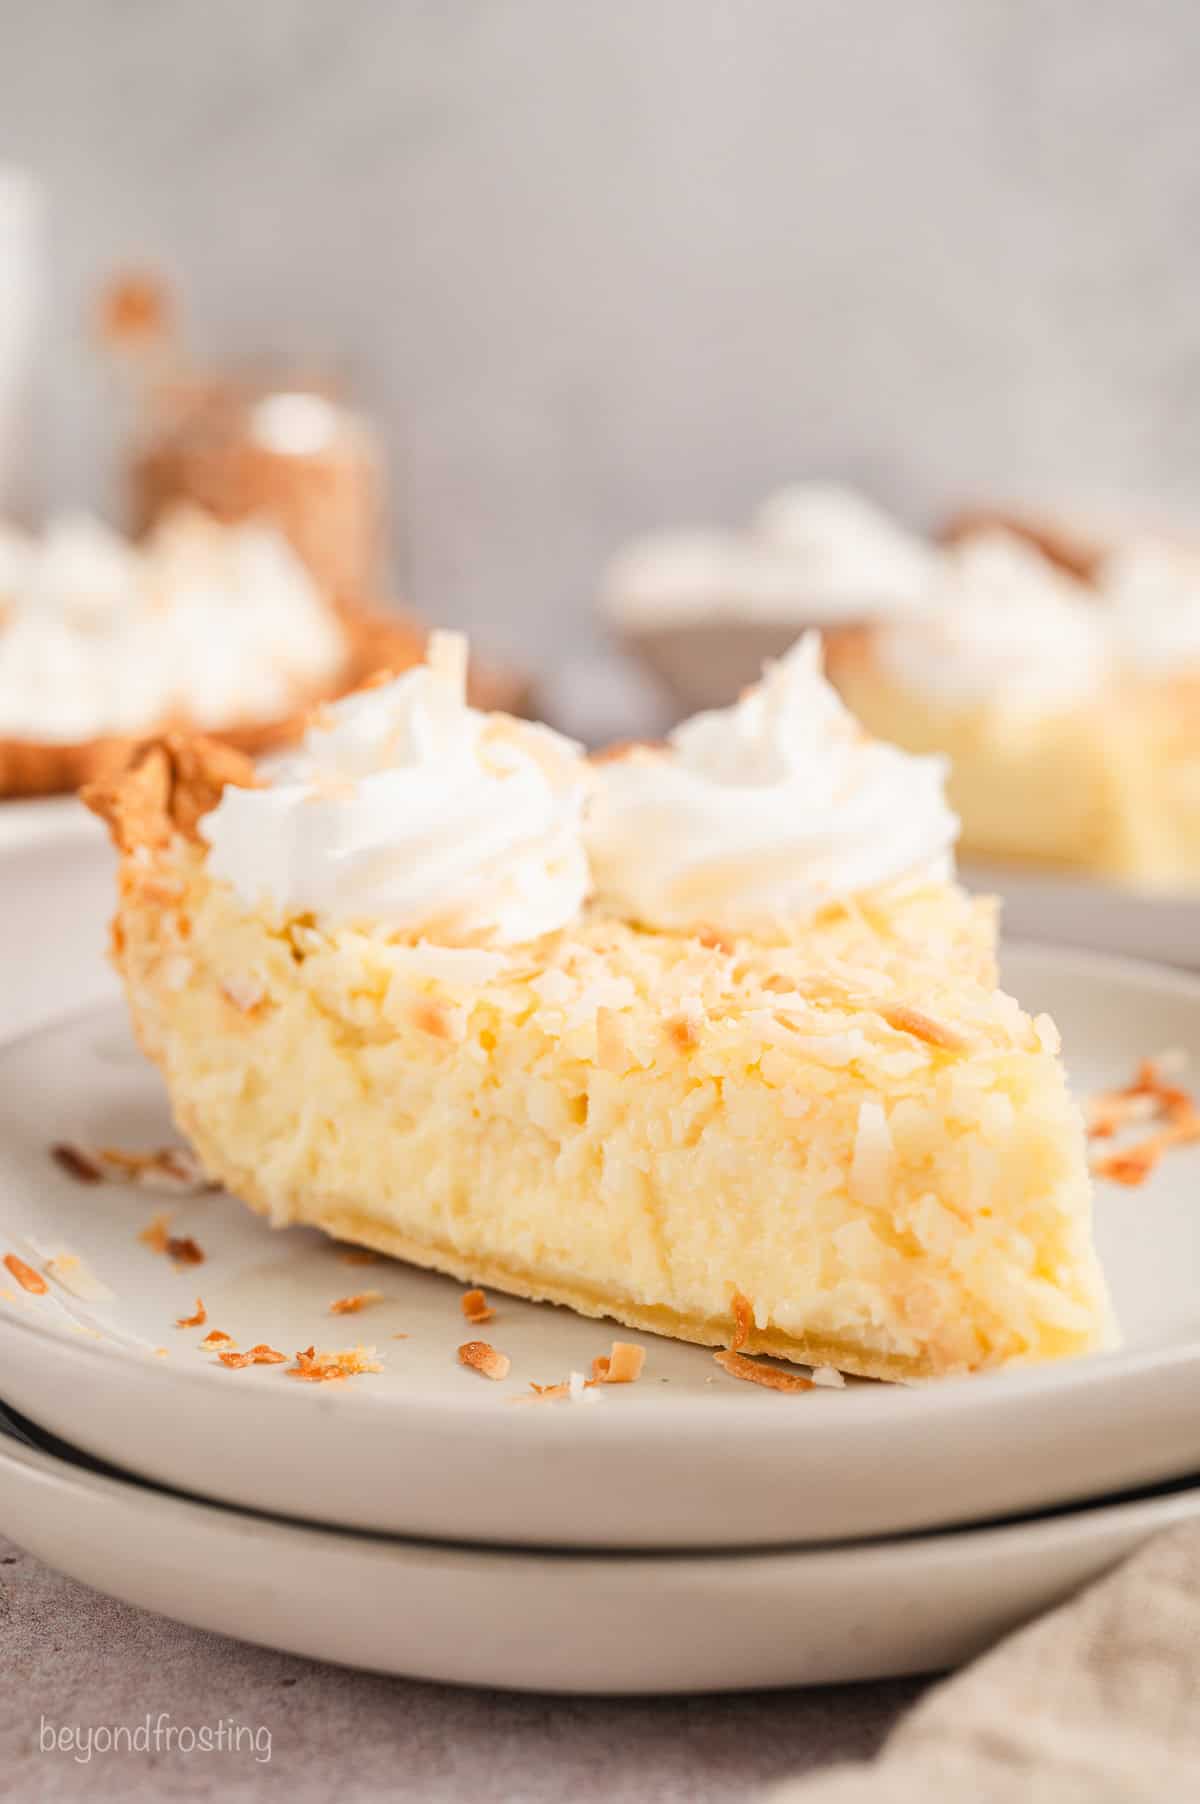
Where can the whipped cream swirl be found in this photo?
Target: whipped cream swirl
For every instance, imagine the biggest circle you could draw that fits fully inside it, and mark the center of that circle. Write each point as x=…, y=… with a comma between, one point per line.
x=1002, y=628
x=405, y=808
x=766, y=812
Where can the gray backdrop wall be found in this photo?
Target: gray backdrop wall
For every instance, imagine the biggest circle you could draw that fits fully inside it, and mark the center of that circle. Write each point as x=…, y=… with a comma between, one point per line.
x=603, y=263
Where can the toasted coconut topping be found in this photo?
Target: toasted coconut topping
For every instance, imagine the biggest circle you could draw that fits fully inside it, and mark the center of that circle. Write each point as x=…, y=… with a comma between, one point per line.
x=738, y=1366
x=171, y=1168
x=326, y=1367
x=431, y=1019
x=156, y=1233
x=261, y=1355
x=484, y=1359
x=193, y=1321
x=743, y=1318
x=361, y=1299
x=545, y=1393
x=715, y=939
x=907, y=1020
x=625, y=1362
x=475, y=1307
x=167, y=787
x=217, y=1338
x=76, y=1163
x=1147, y=1097
x=25, y=1275
x=621, y=1365
x=683, y=1030
x=184, y=1250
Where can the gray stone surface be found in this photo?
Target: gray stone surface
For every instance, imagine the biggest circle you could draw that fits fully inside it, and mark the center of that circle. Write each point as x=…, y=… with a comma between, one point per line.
x=603, y=265
x=73, y=1659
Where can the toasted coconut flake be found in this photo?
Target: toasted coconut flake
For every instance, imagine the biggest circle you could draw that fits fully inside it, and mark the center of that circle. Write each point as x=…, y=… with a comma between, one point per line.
x=193, y=1321
x=1148, y=1096
x=908, y=1020
x=683, y=1029
x=625, y=1362
x=738, y=1366
x=480, y=1357
x=361, y=1299
x=156, y=1233
x=76, y=1163
x=475, y=1307
x=545, y=1393
x=217, y=1338
x=743, y=1320
x=431, y=1019
x=326, y=1367
x=715, y=939
x=261, y=1355
x=184, y=1250
x=175, y=1169
x=25, y=1275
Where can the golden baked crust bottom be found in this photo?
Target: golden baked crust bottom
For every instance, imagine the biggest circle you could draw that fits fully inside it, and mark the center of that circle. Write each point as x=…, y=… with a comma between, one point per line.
x=375, y=642
x=847, y=1124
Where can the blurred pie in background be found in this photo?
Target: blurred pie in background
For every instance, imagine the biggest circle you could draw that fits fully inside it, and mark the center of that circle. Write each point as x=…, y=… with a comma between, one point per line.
x=219, y=628
x=703, y=608
x=1069, y=711
x=245, y=446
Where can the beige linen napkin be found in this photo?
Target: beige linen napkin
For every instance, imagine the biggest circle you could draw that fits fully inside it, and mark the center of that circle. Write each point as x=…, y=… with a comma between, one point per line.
x=1097, y=1703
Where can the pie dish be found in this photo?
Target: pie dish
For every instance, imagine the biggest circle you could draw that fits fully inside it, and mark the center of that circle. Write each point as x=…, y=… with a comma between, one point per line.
x=703, y=1038
x=103, y=643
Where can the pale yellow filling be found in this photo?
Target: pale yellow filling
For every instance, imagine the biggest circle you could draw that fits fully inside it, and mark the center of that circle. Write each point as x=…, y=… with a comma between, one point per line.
x=641, y=1124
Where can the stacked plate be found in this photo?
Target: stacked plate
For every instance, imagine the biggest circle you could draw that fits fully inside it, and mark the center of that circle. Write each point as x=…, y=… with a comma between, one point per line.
x=686, y=1532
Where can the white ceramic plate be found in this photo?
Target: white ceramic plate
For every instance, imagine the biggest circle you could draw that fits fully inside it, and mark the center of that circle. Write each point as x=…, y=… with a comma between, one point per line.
x=545, y=1621
x=1102, y=917
x=57, y=890
x=686, y=1458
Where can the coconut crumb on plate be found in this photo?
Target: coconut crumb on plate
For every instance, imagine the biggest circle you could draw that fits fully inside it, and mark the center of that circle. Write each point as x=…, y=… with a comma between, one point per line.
x=770, y=1377
x=362, y=1299
x=479, y=1356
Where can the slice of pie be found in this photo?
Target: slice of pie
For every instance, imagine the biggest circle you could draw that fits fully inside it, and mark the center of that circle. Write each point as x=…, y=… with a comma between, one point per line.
x=699, y=1026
